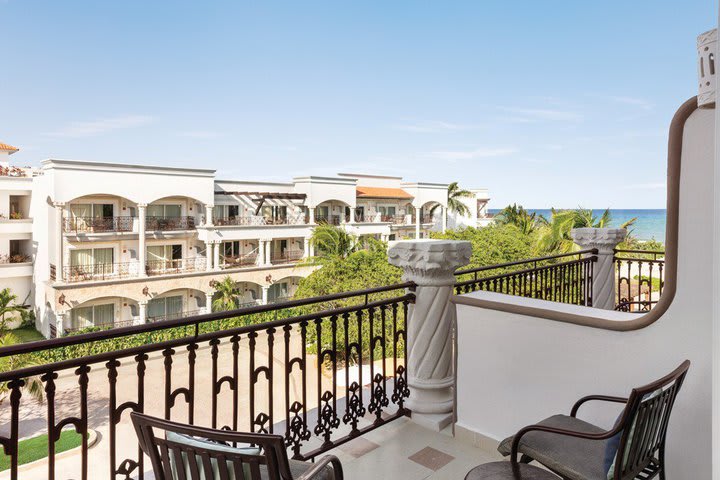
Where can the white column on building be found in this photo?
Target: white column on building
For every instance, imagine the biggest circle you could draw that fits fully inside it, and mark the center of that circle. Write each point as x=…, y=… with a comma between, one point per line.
x=431, y=325
x=59, y=324
x=311, y=214
x=59, y=253
x=142, y=312
x=208, y=302
x=265, y=290
x=306, y=247
x=142, y=251
x=268, y=252
x=209, y=215
x=604, y=240
x=261, y=252
x=216, y=255
x=208, y=255
x=418, y=210
x=444, y=213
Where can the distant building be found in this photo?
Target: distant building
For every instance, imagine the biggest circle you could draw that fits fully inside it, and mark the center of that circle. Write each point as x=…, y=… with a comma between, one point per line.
x=108, y=244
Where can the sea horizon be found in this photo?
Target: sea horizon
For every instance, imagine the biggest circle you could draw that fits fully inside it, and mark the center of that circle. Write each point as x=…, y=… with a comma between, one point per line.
x=650, y=223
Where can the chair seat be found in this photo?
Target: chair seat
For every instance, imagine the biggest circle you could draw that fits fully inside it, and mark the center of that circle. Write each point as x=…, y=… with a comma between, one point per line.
x=571, y=457
x=297, y=468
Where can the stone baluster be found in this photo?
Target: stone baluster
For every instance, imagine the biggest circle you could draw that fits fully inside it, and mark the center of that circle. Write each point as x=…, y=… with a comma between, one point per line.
x=430, y=327
x=603, y=282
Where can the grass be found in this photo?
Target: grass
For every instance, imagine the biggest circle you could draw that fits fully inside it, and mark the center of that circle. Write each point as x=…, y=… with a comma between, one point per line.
x=35, y=448
x=27, y=334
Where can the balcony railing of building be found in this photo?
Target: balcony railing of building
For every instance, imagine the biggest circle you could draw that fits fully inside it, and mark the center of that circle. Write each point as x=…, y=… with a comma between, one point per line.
x=640, y=279
x=328, y=220
x=178, y=265
x=98, y=271
x=303, y=376
x=169, y=223
x=174, y=316
x=565, y=278
x=288, y=256
x=258, y=220
x=105, y=326
x=98, y=224
x=235, y=261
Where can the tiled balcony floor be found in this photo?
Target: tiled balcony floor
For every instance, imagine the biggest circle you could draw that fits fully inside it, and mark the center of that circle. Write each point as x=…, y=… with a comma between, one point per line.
x=403, y=450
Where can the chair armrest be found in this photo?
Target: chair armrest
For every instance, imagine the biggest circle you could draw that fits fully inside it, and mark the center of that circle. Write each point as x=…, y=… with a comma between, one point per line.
x=601, y=398
x=558, y=431
x=320, y=465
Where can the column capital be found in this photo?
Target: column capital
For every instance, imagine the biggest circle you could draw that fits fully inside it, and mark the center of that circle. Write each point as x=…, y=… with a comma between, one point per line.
x=142, y=205
x=429, y=262
x=603, y=239
x=59, y=204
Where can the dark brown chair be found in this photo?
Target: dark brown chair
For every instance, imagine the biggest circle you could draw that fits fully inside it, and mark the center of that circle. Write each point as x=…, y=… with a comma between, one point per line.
x=577, y=450
x=209, y=455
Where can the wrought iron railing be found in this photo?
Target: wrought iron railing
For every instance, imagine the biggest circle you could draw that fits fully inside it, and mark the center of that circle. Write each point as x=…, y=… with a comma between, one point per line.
x=258, y=220
x=640, y=279
x=174, y=316
x=318, y=377
x=565, y=278
x=288, y=256
x=178, y=265
x=97, y=271
x=329, y=220
x=235, y=261
x=103, y=326
x=98, y=224
x=169, y=223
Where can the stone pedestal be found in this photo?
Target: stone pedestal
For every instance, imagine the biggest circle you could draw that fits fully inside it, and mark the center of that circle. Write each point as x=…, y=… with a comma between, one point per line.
x=431, y=324
x=604, y=240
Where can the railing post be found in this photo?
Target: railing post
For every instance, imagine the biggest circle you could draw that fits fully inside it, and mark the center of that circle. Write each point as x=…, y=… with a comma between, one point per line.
x=604, y=240
x=431, y=264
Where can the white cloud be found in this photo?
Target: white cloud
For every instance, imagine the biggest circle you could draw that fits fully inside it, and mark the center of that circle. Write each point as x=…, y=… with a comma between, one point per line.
x=100, y=126
x=435, y=127
x=525, y=115
x=472, y=154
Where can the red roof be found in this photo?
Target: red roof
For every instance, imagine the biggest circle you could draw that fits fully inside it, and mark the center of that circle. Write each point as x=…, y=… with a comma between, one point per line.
x=381, y=192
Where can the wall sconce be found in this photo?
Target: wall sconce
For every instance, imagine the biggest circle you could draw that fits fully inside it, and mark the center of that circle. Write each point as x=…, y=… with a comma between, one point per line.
x=61, y=299
x=146, y=291
x=213, y=283
x=268, y=279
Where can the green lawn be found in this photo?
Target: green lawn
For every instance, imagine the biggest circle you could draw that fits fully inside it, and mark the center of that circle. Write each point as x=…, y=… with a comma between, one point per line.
x=35, y=448
x=27, y=334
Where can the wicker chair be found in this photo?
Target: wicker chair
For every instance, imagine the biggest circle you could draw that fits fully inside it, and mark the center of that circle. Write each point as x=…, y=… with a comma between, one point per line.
x=577, y=450
x=209, y=454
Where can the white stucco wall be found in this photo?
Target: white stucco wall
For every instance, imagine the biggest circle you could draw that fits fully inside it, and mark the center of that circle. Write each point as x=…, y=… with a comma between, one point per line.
x=514, y=370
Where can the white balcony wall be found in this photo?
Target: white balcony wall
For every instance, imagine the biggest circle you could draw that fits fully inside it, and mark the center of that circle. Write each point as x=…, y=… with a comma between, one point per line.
x=324, y=189
x=514, y=370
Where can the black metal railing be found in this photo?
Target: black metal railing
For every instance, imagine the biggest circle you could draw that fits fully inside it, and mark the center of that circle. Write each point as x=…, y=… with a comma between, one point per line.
x=178, y=265
x=98, y=224
x=640, y=279
x=328, y=220
x=97, y=271
x=169, y=223
x=173, y=316
x=300, y=376
x=565, y=278
x=102, y=326
x=257, y=220
x=235, y=261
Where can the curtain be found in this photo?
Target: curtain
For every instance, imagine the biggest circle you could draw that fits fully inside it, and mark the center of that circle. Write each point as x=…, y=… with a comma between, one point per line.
x=81, y=317
x=172, y=210
x=156, y=252
x=174, y=305
x=104, y=314
x=155, y=210
x=156, y=307
x=103, y=256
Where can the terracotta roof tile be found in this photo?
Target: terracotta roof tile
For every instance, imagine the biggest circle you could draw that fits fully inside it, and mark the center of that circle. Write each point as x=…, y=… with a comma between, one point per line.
x=8, y=148
x=382, y=192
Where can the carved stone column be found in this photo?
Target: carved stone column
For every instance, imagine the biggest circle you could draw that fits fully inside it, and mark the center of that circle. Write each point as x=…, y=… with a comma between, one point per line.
x=60, y=324
x=431, y=324
x=142, y=312
x=209, y=215
x=604, y=240
x=208, y=302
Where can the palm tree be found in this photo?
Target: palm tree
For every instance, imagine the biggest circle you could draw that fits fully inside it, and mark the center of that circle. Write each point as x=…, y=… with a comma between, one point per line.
x=517, y=215
x=8, y=304
x=454, y=200
x=33, y=385
x=555, y=236
x=227, y=295
x=333, y=242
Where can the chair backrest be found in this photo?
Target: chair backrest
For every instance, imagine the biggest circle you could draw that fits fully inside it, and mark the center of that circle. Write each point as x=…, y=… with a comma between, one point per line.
x=174, y=460
x=644, y=425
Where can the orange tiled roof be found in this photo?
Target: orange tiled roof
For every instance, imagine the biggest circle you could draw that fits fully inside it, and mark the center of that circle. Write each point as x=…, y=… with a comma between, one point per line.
x=381, y=192
x=8, y=148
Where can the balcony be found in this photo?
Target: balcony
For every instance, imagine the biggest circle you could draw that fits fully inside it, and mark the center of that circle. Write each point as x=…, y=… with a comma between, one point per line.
x=174, y=316
x=92, y=327
x=288, y=256
x=98, y=224
x=164, y=224
x=328, y=219
x=238, y=261
x=96, y=272
x=259, y=220
x=175, y=266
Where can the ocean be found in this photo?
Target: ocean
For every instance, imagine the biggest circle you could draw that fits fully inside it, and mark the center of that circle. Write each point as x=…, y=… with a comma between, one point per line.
x=650, y=224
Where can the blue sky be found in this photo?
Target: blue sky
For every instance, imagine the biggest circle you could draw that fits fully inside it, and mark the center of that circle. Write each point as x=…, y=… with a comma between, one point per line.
x=553, y=103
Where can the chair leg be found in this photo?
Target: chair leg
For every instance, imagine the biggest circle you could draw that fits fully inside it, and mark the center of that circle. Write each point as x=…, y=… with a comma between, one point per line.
x=525, y=459
x=661, y=461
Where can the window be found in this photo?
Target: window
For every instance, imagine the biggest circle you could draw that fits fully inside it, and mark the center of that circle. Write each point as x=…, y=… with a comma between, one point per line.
x=86, y=257
x=92, y=210
x=164, y=252
x=278, y=291
x=96, y=315
x=164, y=211
x=231, y=249
x=323, y=212
x=166, y=307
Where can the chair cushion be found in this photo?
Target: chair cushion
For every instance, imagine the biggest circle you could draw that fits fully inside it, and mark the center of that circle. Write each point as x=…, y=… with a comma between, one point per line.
x=206, y=444
x=571, y=457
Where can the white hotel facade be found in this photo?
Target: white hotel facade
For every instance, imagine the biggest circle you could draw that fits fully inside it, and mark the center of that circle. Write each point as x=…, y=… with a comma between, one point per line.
x=99, y=244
